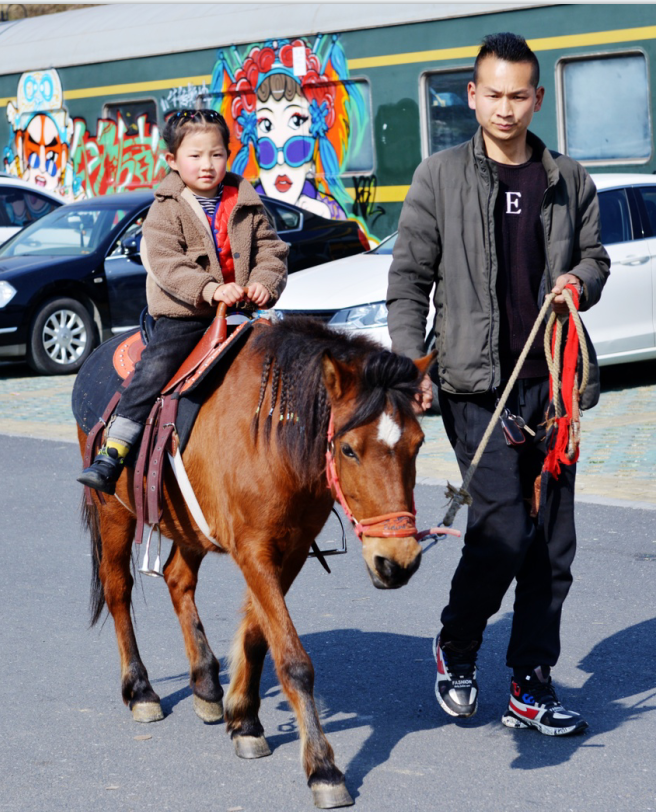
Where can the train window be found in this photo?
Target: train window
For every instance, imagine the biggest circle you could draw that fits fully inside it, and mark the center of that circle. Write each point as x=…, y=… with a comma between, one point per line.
x=132, y=112
x=615, y=217
x=360, y=157
x=605, y=102
x=450, y=121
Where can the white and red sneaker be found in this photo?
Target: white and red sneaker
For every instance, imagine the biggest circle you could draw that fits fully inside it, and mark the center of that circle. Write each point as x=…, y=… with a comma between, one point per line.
x=533, y=703
x=456, y=688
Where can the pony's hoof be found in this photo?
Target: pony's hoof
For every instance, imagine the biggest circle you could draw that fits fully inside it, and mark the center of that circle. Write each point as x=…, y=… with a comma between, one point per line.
x=147, y=712
x=209, y=712
x=251, y=746
x=330, y=796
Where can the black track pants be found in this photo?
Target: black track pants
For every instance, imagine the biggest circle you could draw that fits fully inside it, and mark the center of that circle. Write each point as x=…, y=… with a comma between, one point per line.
x=502, y=541
x=172, y=341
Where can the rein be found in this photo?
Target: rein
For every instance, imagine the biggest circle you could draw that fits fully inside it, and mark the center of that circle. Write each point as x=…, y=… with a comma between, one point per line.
x=401, y=524
x=570, y=389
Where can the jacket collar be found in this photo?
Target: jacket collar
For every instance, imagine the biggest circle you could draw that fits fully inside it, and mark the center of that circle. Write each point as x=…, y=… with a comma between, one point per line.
x=538, y=147
x=173, y=187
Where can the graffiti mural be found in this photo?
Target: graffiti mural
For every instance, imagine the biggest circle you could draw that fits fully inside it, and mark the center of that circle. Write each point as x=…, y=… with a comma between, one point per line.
x=299, y=125
x=55, y=152
x=39, y=149
x=113, y=161
x=296, y=117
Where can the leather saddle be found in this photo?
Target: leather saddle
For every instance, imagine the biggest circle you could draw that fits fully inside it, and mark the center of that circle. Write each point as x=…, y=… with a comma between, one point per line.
x=160, y=433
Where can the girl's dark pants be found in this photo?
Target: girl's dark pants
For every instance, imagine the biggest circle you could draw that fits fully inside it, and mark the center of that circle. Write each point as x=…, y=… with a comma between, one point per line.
x=502, y=541
x=171, y=342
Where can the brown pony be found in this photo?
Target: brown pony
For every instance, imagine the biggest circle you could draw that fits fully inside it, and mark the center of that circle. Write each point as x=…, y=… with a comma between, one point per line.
x=256, y=459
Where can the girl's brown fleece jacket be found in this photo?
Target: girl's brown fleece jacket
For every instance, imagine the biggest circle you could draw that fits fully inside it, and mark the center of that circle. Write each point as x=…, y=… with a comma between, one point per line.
x=178, y=250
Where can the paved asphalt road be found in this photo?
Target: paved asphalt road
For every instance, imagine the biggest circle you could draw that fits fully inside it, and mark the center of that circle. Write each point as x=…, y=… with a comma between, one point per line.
x=68, y=743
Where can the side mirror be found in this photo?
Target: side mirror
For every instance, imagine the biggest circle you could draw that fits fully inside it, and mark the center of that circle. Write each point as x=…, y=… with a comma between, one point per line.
x=131, y=246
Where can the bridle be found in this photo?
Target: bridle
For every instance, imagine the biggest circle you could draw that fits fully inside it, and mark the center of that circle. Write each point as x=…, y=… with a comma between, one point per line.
x=401, y=524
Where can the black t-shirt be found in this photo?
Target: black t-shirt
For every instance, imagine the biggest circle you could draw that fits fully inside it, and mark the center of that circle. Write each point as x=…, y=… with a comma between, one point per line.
x=521, y=260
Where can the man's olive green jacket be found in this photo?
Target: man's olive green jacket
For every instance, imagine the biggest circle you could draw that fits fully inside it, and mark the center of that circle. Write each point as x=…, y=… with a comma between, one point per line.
x=446, y=240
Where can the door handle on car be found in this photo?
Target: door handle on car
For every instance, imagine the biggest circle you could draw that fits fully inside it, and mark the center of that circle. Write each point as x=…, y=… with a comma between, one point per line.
x=633, y=260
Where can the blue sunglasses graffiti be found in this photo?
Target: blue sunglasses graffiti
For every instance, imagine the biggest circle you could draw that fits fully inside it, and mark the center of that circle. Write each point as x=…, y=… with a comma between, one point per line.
x=35, y=162
x=296, y=151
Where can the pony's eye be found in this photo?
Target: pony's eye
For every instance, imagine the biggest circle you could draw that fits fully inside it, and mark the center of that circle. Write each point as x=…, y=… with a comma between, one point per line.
x=347, y=451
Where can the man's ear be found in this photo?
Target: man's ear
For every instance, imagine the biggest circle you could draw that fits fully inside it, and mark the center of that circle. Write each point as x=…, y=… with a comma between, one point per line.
x=425, y=363
x=337, y=377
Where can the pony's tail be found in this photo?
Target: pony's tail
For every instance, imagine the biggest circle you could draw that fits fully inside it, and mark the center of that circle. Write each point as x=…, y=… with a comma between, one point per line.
x=91, y=520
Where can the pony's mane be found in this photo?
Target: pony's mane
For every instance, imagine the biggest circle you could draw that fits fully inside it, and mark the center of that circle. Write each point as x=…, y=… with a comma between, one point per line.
x=293, y=351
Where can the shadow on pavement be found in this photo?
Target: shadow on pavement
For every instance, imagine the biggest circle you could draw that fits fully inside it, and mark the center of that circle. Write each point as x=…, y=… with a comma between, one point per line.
x=620, y=669
x=384, y=681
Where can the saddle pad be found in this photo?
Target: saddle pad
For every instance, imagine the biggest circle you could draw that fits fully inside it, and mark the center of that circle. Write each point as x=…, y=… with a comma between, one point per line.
x=97, y=381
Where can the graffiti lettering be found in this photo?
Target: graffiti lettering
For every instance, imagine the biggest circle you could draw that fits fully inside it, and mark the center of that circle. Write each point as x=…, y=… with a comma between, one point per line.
x=182, y=98
x=115, y=162
x=365, y=187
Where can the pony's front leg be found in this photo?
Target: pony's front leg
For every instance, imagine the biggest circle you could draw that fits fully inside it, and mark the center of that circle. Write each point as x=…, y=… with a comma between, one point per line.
x=181, y=575
x=116, y=534
x=295, y=672
x=243, y=699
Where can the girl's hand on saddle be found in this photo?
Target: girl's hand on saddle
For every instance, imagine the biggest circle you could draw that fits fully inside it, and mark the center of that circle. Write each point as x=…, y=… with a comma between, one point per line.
x=559, y=305
x=230, y=294
x=257, y=293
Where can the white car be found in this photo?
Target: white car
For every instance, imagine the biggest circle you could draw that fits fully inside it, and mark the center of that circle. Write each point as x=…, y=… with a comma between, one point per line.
x=350, y=293
x=22, y=203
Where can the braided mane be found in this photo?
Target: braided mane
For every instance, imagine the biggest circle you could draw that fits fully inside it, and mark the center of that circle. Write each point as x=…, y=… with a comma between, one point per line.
x=293, y=351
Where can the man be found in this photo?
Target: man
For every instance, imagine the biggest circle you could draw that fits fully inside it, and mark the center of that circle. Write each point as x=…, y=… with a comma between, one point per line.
x=494, y=224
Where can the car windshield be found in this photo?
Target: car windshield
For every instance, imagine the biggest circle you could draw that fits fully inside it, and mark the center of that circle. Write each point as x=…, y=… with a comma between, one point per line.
x=386, y=246
x=67, y=232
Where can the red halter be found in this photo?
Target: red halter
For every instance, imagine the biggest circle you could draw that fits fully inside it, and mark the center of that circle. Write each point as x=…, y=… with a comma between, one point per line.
x=390, y=525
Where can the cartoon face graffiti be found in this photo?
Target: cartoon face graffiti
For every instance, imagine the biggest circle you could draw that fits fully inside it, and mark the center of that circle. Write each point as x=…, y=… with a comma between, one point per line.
x=285, y=146
x=43, y=155
x=42, y=129
x=286, y=103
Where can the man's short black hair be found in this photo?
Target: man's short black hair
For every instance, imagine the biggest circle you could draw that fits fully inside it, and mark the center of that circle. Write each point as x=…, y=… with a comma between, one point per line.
x=510, y=48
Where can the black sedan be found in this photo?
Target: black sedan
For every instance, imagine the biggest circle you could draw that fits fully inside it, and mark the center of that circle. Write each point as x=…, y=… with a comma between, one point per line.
x=75, y=277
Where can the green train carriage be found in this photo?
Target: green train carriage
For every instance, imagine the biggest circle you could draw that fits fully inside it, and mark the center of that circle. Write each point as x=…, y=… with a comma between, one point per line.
x=331, y=107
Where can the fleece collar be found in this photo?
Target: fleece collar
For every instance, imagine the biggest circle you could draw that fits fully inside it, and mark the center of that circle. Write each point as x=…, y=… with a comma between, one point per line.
x=173, y=187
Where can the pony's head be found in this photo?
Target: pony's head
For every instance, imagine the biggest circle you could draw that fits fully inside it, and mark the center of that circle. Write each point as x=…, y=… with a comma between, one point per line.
x=372, y=458
x=355, y=399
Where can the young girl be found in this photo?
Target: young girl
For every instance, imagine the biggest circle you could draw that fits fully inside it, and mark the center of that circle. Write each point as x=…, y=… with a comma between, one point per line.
x=207, y=239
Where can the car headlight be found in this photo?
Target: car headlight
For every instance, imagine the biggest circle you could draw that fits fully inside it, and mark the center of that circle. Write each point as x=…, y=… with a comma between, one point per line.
x=7, y=293
x=361, y=317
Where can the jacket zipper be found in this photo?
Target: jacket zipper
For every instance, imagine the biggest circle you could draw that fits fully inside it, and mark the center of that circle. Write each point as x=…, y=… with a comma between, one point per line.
x=546, y=248
x=489, y=279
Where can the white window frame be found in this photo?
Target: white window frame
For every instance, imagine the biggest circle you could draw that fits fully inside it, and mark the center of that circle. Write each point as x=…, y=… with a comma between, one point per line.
x=424, y=118
x=560, y=105
x=141, y=100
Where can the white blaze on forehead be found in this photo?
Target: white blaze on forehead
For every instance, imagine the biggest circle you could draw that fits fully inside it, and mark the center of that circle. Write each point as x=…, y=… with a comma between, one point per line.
x=389, y=430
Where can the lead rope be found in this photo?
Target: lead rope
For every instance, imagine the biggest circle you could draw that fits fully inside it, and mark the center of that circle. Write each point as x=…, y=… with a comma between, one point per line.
x=460, y=496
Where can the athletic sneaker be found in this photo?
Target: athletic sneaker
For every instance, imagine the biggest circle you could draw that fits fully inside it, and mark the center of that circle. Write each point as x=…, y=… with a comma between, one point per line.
x=534, y=703
x=456, y=688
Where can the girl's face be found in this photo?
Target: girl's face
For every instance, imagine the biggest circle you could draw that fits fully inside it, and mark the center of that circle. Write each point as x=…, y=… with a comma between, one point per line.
x=201, y=161
x=285, y=145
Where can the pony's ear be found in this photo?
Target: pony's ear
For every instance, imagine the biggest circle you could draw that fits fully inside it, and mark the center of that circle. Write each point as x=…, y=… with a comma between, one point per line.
x=337, y=377
x=425, y=363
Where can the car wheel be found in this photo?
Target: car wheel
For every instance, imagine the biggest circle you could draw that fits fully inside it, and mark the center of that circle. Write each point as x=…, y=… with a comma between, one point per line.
x=62, y=337
x=430, y=346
